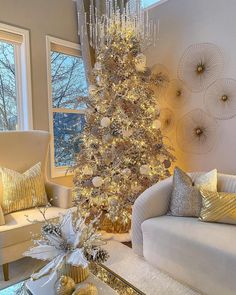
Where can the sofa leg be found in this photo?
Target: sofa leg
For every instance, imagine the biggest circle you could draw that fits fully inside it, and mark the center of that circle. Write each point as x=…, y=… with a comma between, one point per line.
x=5, y=268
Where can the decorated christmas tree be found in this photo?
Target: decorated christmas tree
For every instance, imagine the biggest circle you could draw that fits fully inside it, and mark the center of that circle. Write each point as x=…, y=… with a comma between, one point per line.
x=122, y=147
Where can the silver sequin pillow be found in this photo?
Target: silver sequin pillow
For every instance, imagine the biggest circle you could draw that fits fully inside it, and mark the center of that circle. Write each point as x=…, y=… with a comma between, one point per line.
x=186, y=199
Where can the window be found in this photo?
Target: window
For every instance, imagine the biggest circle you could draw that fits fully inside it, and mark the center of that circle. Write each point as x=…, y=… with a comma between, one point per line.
x=15, y=79
x=147, y=3
x=67, y=82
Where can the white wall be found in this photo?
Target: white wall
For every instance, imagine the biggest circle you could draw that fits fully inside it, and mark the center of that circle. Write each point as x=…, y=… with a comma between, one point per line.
x=185, y=22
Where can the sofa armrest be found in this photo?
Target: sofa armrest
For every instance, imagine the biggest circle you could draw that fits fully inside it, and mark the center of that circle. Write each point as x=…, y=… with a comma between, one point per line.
x=58, y=195
x=152, y=202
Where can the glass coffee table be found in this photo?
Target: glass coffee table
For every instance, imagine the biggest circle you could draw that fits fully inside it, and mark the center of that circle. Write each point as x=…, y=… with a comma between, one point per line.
x=106, y=281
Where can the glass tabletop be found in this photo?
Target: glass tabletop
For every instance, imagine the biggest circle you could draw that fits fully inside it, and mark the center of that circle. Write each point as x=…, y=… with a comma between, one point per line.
x=100, y=271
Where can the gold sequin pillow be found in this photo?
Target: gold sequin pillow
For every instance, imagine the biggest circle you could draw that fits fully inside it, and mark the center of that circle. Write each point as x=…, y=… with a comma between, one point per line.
x=218, y=207
x=22, y=191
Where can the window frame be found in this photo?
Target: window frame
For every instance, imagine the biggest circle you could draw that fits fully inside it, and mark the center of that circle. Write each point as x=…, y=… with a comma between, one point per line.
x=57, y=171
x=155, y=4
x=23, y=77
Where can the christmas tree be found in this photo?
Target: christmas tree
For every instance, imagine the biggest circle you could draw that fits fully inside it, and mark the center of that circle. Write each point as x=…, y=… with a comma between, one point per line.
x=122, y=148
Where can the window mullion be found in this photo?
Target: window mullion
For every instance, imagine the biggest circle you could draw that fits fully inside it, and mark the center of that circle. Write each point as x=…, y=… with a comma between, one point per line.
x=18, y=71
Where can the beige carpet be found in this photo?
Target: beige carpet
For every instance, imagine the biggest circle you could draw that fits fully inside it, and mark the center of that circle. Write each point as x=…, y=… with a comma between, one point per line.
x=124, y=262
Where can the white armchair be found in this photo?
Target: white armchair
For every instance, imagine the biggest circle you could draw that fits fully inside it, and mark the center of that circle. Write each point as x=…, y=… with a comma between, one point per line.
x=20, y=150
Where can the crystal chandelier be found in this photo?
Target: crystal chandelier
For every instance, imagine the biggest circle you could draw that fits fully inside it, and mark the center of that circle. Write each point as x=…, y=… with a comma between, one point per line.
x=124, y=18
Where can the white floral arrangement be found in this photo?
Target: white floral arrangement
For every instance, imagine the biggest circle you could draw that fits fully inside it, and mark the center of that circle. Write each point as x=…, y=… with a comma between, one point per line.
x=69, y=240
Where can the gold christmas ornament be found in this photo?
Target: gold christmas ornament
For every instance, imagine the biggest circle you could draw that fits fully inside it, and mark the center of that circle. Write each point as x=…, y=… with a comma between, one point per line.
x=140, y=62
x=86, y=289
x=145, y=170
x=127, y=132
x=156, y=124
x=88, y=171
x=97, y=66
x=113, y=202
x=97, y=181
x=105, y=122
x=65, y=286
x=92, y=90
x=126, y=172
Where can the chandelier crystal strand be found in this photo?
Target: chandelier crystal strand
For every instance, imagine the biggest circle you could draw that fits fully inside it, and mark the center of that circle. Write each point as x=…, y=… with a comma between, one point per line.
x=124, y=18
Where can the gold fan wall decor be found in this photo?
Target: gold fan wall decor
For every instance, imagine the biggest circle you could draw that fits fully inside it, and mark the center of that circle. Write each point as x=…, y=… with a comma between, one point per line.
x=220, y=99
x=196, y=132
x=200, y=65
x=177, y=93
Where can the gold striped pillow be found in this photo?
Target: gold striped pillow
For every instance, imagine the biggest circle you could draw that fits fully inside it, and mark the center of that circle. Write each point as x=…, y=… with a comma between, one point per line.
x=23, y=191
x=218, y=207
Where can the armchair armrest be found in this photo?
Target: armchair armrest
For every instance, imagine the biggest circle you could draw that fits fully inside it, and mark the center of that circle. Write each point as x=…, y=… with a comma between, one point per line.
x=2, y=219
x=152, y=202
x=59, y=196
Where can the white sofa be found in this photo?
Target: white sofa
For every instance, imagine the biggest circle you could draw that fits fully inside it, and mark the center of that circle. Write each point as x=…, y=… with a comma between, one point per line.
x=20, y=151
x=199, y=254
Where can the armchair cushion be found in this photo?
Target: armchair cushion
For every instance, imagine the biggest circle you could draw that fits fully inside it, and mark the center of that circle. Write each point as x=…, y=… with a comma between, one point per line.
x=18, y=229
x=23, y=191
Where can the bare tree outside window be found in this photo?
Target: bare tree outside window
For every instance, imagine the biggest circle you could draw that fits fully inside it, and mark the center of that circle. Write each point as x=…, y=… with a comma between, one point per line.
x=8, y=99
x=68, y=83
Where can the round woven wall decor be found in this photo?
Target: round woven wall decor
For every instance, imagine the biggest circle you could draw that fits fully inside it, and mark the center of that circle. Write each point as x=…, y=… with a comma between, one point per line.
x=220, y=99
x=200, y=65
x=196, y=132
x=177, y=93
x=167, y=119
x=160, y=80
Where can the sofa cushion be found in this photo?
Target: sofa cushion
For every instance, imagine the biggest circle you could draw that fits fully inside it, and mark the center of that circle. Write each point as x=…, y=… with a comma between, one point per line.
x=202, y=255
x=18, y=229
x=186, y=199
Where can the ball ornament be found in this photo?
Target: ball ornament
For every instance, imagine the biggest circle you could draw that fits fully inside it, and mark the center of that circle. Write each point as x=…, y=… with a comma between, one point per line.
x=126, y=172
x=127, y=132
x=113, y=202
x=98, y=66
x=140, y=62
x=105, y=122
x=66, y=286
x=92, y=90
x=156, y=124
x=97, y=181
x=145, y=170
x=88, y=171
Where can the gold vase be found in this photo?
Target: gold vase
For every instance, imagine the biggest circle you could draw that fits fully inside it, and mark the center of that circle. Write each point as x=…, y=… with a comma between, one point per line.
x=77, y=273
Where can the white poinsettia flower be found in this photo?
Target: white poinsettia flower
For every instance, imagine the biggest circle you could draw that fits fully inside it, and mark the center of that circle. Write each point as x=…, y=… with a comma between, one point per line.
x=77, y=258
x=44, y=252
x=51, y=268
x=67, y=229
x=65, y=243
x=60, y=248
